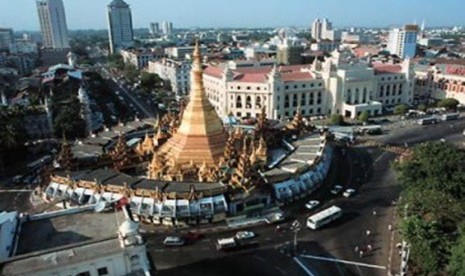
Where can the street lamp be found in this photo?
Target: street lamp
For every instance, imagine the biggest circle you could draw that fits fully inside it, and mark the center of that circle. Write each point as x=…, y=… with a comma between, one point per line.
x=295, y=228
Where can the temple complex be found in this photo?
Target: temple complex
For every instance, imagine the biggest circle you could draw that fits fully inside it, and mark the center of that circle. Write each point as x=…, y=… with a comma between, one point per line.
x=196, y=169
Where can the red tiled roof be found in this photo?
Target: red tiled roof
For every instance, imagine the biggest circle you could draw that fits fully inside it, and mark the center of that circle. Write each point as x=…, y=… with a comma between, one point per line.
x=251, y=77
x=259, y=74
x=296, y=76
x=384, y=68
x=213, y=71
x=362, y=51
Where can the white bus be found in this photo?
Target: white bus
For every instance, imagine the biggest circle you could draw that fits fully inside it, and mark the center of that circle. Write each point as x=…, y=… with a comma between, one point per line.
x=324, y=217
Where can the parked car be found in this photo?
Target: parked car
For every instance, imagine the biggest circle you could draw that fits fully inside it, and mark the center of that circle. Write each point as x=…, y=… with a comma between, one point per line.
x=174, y=241
x=336, y=189
x=348, y=193
x=312, y=204
x=243, y=235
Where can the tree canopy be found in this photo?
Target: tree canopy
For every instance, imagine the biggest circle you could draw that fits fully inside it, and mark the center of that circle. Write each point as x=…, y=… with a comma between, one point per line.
x=400, y=109
x=432, y=201
x=449, y=103
x=68, y=121
x=149, y=81
x=336, y=120
x=364, y=116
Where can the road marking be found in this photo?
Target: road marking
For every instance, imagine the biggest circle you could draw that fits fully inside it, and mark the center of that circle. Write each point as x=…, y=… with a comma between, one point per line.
x=343, y=261
x=303, y=266
x=283, y=272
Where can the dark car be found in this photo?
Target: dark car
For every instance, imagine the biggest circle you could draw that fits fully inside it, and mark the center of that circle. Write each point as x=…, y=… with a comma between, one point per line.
x=192, y=236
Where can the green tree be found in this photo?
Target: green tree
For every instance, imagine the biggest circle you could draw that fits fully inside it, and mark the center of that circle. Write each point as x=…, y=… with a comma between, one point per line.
x=400, y=109
x=363, y=117
x=457, y=258
x=436, y=166
x=68, y=121
x=432, y=201
x=116, y=61
x=427, y=243
x=149, y=81
x=449, y=103
x=131, y=72
x=336, y=120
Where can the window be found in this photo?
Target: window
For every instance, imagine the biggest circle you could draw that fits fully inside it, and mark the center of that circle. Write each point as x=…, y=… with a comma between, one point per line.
x=294, y=100
x=312, y=85
x=286, y=101
x=248, y=87
x=102, y=271
x=320, y=84
x=286, y=87
x=238, y=88
x=303, y=86
x=295, y=86
x=85, y=273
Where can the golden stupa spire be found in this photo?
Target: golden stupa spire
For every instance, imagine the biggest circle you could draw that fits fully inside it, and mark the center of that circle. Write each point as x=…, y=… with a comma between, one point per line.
x=200, y=135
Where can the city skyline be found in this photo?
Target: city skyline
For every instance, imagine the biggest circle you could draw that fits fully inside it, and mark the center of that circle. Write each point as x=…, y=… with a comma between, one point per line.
x=87, y=14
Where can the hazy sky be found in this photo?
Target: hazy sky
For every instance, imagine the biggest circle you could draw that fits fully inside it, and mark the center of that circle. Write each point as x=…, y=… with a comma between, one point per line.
x=91, y=14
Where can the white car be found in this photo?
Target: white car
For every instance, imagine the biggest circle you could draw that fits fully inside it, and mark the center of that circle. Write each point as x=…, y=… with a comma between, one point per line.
x=336, y=190
x=243, y=235
x=348, y=193
x=312, y=204
x=174, y=241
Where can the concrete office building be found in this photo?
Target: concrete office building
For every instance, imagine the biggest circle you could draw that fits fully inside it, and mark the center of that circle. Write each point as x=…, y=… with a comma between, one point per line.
x=53, y=24
x=119, y=26
x=166, y=27
x=154, y=28
x=6, y=38
x=403, y=41
x=175, y=71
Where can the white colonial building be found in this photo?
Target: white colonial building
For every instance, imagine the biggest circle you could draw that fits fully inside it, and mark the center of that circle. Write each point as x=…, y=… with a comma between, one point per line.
x=175, y=71
x=340, y=85
x=138, y=58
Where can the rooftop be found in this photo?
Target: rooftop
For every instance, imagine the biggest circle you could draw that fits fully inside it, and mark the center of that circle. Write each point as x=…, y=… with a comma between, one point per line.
x=45, y=234
x=386, y=68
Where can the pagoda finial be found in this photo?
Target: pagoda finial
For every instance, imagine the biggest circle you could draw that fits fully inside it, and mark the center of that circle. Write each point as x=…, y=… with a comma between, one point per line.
x=197, y=57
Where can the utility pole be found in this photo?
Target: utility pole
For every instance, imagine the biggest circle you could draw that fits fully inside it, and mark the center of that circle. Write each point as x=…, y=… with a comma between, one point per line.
x=295, y=228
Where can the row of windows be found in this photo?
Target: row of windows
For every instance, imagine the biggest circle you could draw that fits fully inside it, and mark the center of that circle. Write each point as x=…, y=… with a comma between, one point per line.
x=248, y=101
x=395, y=78
x=303, y=86
x=303, y=100
x=395, y=90
x=257, y=88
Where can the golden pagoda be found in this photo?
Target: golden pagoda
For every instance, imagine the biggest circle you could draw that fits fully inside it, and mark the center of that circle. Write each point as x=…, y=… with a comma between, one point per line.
x=297, y=122
x=200, y=136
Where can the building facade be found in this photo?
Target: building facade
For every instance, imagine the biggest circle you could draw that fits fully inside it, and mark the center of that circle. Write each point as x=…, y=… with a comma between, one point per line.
x=166, y=27
x=120, y=30
x=6, y=38
x=138, y=58
x=403, y=42
x=439, y=82
x=175, y=71
x=337, y=86
x=53, y=24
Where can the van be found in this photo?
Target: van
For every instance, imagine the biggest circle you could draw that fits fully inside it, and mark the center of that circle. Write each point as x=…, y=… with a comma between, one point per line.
x=225, y=244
